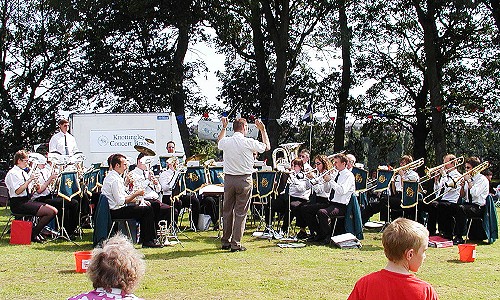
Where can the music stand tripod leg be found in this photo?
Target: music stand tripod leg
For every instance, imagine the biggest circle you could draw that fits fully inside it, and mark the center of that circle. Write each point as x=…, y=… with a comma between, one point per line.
x=61, y=232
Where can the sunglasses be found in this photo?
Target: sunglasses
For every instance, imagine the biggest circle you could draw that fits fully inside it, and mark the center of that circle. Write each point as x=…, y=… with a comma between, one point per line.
x=317, y=163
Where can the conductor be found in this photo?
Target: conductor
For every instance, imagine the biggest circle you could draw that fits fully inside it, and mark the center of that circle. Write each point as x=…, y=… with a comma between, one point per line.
x=238, y=168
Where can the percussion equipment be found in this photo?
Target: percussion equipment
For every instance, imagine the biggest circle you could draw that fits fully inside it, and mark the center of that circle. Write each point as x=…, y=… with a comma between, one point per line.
x=144, y=150
x=196, y=157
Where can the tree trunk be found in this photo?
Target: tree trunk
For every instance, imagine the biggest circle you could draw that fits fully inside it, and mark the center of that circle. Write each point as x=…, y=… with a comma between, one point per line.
x=179, y=97
x=265, y=87
x=495, y=11
x=420, y=130
x=432, y=52
x=278, y=27
x=346, y=80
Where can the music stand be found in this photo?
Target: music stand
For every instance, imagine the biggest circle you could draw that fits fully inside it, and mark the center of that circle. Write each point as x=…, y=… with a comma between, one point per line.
x=66, y=195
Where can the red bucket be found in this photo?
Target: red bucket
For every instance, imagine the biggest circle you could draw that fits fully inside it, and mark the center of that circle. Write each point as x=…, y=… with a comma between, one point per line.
x=467, y=252
x=20, y=232
x=82, y=259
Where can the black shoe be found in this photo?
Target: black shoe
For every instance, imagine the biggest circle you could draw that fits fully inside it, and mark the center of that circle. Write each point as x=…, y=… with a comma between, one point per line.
x=302, y=235
x=152, y=244
x=240, y=248
x=38, y=239
x=312, y=238
x=458, y=241
x=226, y=247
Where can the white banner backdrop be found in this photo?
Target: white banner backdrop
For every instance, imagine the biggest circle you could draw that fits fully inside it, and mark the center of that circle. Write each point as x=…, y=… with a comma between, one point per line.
x=208, y=130
x=117, y=141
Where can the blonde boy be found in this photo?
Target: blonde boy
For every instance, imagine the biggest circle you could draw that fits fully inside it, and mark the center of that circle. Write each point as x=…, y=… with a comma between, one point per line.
x=405, y=242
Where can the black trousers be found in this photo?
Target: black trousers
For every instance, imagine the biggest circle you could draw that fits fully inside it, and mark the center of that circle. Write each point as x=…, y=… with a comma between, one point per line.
x=145, y=216
x=71, y=209
x=210, y=206
x=441, y=215
x=161, y=211
x=326, y=215
x=309, y=211
x=467, y=211
x=280, y=205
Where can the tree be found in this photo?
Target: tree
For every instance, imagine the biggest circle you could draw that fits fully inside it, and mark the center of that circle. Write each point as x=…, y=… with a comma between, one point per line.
x=136, y=51
x=270, y=36
x=36, y=51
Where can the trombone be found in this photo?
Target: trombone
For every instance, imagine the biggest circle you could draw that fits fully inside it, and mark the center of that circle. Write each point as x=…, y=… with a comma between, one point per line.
x=474, y=171
x=413, y=165
x=431, y=173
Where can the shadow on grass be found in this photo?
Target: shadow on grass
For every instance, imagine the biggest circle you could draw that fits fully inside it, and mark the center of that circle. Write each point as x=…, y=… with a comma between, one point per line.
x=456, y=261
x=182, y=253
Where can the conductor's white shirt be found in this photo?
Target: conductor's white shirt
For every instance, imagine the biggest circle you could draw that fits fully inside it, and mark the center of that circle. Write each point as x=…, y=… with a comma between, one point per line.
x=238, y=153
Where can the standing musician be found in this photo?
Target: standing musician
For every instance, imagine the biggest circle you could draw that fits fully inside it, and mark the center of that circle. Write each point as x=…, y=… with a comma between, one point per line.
x=143, y=178
x=340, y=190
x=474, y=188
x=316, y=183
x=63, y=142
x=445, y=207
x=17, y=181
x=43, y=194
x=238, y=167
x=123, y=206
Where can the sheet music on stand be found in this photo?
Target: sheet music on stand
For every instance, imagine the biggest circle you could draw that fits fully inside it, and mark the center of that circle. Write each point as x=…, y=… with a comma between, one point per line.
x=212, y=189
x=346, y=241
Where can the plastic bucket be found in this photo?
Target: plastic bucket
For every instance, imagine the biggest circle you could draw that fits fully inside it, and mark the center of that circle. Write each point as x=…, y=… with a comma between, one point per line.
x=82, y=259
x=467, y=252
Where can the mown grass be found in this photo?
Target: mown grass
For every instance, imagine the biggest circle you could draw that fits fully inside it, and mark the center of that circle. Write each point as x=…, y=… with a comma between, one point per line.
x=201, y=270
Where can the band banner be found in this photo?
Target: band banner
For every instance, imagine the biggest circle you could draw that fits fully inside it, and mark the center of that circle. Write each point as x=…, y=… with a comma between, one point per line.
x=69, y=185
x=384, y=177
x=410, y=192
x=265, y=183
x=255, y=190
x=195, y=178
x=90, y=180
x=103, y=171
x=216, y=175
x=360, y=179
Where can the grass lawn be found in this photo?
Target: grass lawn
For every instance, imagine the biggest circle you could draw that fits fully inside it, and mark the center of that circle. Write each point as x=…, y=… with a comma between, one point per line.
x=201, y=270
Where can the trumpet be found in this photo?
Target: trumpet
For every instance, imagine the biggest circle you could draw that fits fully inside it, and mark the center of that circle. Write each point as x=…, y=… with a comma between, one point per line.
x=431, y=173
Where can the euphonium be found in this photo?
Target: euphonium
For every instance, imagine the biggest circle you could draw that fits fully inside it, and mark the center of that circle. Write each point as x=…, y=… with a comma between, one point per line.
x=290, y=152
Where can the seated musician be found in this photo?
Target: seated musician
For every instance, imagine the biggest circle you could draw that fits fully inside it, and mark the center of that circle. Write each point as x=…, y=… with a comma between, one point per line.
x=18, y=181
x=351, y=161
x=340, y=190
x=444, y=208
x=316, y=183
x=305, y=155
x=395, y=193
x=123, y=206
x=43, y=194
x=299, y=195
x=142, y=178
x=474, y=189
x=168, y=181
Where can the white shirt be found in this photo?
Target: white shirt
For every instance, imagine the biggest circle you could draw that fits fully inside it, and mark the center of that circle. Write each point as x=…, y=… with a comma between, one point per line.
x=299, y=187
x=43, y=176
x=14, y=179
x=167, y=181
x=450, y=194
x=409, y=175
x=479, y=191
x=149, y=187
x=238, y=153
x=113, y=188
x=344, y=187
x=57, y=143
x=318, y=187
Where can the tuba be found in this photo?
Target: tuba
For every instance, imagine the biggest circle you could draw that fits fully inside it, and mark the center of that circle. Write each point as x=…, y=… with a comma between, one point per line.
x=290, y=151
